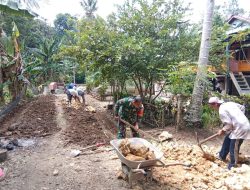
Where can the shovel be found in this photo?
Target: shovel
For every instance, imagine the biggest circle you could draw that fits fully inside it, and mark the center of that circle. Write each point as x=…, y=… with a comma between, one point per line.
x=75, y=153
x=139, y=130
x=92, y=146
x=206, y=155
x=205, y=140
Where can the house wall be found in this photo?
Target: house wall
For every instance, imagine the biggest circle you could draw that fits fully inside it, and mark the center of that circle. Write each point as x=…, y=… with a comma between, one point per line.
x=240, y=61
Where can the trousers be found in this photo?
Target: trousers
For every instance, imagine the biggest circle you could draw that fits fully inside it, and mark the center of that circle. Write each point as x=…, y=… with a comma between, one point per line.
x=231, y=146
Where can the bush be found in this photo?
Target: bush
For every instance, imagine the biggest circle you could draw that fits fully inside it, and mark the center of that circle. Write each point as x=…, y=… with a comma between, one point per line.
x=29, y=93
x=120, y=95
x=210, y=118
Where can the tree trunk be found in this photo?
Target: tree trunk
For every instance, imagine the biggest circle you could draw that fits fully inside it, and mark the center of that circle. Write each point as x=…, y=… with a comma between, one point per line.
x=2, y=53
x=194, y=117
x=1, y=85
x=179, y=111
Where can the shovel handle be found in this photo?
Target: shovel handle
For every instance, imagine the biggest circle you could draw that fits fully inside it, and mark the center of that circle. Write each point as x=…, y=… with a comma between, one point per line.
x=138, y=130
x=91, y=146
x=209, y=138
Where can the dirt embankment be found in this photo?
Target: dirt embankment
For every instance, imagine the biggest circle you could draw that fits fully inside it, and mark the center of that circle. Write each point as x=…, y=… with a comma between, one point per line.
x=87, y=127
x=36, y=118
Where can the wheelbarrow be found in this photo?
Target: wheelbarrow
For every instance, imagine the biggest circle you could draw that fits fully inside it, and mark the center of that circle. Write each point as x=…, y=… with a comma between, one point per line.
x=136, y=169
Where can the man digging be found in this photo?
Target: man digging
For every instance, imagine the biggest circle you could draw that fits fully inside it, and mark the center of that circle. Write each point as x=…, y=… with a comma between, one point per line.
x=129, y=109
x=235, y=125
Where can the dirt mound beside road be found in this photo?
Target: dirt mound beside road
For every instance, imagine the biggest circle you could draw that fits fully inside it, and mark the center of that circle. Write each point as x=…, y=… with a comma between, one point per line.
x=85, y=127
x=36, y=118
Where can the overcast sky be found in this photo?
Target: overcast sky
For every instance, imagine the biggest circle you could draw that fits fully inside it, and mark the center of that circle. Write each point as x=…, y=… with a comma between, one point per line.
x=50, y=8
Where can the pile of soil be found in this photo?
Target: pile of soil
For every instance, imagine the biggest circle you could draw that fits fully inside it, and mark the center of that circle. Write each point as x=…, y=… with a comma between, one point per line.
x=36, y=118
x=85, y=127
x=203, y=174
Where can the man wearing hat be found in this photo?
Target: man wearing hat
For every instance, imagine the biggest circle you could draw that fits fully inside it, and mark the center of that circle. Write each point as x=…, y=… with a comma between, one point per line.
x=131, y=110
x=235, y=125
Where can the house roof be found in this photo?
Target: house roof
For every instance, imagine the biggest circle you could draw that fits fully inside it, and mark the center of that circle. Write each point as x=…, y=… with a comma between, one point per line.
x=239, y=26
x=236, y=17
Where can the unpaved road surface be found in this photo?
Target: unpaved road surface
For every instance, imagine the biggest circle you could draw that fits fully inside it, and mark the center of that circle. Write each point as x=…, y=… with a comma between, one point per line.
x=57, y=129
x=48, y=164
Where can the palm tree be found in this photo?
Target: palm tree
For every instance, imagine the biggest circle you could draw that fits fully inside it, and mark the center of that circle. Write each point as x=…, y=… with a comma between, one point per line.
x=89, y=7
x=194, y=116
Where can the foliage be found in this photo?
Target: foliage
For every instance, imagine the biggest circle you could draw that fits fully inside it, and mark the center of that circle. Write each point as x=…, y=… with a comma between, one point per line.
x=210, y=118
x=181, y=81
x=218, y=44
x=92, y=81
x=151, y=40
x=80, y=77
x=139, y=43
x=6, y=42
x=19, y=8
x=64, y=23
x=102, y=89
x=29, y=93
x=46, y=66
x=232, y=8
x=32, y=32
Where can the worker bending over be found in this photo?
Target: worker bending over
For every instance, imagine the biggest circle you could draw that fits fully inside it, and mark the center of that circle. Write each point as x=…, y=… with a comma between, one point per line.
x=235, y=125
x=131, y=110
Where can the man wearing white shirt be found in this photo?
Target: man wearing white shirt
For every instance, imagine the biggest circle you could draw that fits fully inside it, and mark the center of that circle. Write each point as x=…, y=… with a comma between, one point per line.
x=235, y=125
x=80, y=93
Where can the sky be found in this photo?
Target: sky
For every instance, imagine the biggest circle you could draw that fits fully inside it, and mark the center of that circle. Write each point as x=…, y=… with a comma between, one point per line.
x=50, y=8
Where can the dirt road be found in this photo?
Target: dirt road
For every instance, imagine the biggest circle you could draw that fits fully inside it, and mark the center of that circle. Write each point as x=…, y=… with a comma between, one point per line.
x=48, y=165
x=56, y=129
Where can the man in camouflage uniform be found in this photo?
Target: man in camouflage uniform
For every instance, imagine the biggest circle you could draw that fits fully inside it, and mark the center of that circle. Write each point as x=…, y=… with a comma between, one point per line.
x=129, y=109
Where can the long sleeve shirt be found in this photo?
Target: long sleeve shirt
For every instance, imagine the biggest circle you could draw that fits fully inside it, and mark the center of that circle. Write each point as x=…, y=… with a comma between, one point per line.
x=125, y=109
x=232, y=115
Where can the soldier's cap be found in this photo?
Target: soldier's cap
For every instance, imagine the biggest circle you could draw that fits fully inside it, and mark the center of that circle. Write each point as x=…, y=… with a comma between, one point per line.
x=138, y=99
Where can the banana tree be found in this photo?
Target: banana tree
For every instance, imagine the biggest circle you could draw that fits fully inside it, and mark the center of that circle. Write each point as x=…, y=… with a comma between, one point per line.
x=11, y=62
x=19, y=7
x=45, y=61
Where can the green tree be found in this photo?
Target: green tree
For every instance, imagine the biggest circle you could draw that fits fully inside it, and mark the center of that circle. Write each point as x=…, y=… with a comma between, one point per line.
x=232, y=8
x=139, y=43
x=64, y=23
x=153, y=40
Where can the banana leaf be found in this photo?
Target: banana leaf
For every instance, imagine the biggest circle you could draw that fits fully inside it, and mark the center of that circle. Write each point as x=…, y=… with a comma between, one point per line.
x=16, y=8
